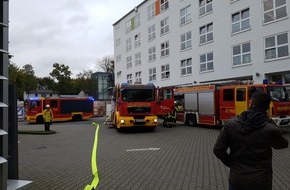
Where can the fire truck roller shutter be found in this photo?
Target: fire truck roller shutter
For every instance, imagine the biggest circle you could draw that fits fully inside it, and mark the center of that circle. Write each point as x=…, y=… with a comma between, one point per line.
x=191, y=105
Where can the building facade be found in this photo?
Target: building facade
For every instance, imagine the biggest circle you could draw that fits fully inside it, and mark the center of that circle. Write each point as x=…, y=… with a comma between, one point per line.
x=184, y=42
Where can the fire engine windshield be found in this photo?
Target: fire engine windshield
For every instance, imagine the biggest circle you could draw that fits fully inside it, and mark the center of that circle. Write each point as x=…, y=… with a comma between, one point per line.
x=137, y=95
x=33, y=103
x=278, y=93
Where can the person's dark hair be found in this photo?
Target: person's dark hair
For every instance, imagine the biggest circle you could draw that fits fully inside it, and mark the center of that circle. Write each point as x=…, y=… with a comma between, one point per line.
x=261, y=99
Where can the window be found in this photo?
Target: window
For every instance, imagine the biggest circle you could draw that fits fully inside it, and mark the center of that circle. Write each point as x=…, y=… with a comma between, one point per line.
x=129, y=79
x=138, y=59
x=128, y=26
x=151, y=11
x=206, y=33
x=129, y=62
x=274, y=10
x=277, y=46
x=119, y=73
x=206, y=62
x=241, y=54
x=152, y=53
x=118, y=41
x=138, y=78
x=137, y=40
x=185, y=15
x=132, y=23
x=128, y=45
x=152, y=74
x=241, y=21
x=137, y=21
x=287, y=78
x=118, y=59
x=185, y=40
x=151, y=32
x=205, y=6
x=165, y=73
x=228, y=95
x=165, y=49
x=164, y=5
x=186, y=66
x=241, y=94
x=164, y=26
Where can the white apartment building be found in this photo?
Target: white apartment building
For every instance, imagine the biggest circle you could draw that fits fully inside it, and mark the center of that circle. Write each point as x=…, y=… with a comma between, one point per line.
x=183, y=42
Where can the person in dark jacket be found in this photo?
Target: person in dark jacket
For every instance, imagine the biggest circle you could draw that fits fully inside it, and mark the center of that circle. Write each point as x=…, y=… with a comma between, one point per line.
x=250, y=138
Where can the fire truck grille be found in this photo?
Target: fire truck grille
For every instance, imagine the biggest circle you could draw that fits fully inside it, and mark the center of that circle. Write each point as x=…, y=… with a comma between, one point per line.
x=139, y=109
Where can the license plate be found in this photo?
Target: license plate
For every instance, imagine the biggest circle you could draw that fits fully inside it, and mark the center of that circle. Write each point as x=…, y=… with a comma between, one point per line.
x=139, y=120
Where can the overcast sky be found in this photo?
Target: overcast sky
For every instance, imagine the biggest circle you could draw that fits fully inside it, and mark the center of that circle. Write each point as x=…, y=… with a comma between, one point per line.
x=71, y=32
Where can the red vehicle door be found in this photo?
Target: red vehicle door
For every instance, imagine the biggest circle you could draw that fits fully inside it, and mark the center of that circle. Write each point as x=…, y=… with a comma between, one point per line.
x=227, y=103
x=164, y=101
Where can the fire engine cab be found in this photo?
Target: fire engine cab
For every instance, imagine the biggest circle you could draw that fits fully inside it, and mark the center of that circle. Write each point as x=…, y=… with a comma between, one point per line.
x=139, y=105
x=213, y=103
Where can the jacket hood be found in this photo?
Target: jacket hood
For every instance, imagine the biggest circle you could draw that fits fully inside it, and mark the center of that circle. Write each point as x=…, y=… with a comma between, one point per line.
x=252, y=119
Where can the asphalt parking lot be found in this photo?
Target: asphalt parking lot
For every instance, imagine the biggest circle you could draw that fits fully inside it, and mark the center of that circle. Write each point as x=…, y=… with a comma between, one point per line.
x=178, y=158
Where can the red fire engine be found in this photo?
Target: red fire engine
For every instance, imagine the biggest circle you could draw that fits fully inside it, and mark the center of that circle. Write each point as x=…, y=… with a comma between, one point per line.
x=64, y=109
x=139, y=105
x=212, y=104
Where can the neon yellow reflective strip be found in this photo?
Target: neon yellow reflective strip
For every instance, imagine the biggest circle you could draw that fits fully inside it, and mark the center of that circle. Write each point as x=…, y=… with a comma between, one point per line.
x=95, y=181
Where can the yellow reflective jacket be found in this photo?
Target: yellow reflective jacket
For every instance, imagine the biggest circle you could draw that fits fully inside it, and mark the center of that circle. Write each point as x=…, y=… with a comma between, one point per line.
x=47, y=115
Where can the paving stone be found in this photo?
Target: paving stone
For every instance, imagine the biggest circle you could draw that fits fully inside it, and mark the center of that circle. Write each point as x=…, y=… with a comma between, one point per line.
x=178, y=158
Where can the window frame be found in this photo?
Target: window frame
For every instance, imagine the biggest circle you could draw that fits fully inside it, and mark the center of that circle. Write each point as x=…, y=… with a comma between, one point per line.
x=165, y=71
x=137, y=40
x=129, y=62
x=206, y=62
x=152, y=74
x=186, y=42
x=164, y=26
x=129, y=79
x=276, y=47
x=128, y=45
x=138, y=77
x=151, y=32
x=151, y=11
x=187, y=67
x=208, y=30
x=207, y=5
x=274, y=10
x=240, y=21
x=164, y=49
x=164, y=5
x=138, y=59
x=187, y=15
x=242, y=54
x=152, y=53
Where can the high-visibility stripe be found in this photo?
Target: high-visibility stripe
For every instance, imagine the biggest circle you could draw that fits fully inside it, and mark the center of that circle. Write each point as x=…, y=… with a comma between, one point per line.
x=95, y=181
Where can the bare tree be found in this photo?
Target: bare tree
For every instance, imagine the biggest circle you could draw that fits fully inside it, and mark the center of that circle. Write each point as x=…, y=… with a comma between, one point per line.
x=106, y=64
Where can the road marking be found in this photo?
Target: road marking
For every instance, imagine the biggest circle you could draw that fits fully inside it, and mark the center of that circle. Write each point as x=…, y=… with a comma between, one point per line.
x=142, y=149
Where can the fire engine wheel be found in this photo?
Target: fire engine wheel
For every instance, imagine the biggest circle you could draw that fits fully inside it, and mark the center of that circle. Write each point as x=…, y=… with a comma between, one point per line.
x=192, y=120
x=39, y=119
x=77, y=118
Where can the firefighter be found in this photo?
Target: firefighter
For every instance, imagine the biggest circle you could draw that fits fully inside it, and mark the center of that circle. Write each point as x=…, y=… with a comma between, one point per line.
x=47, y=117
x=170, y=118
